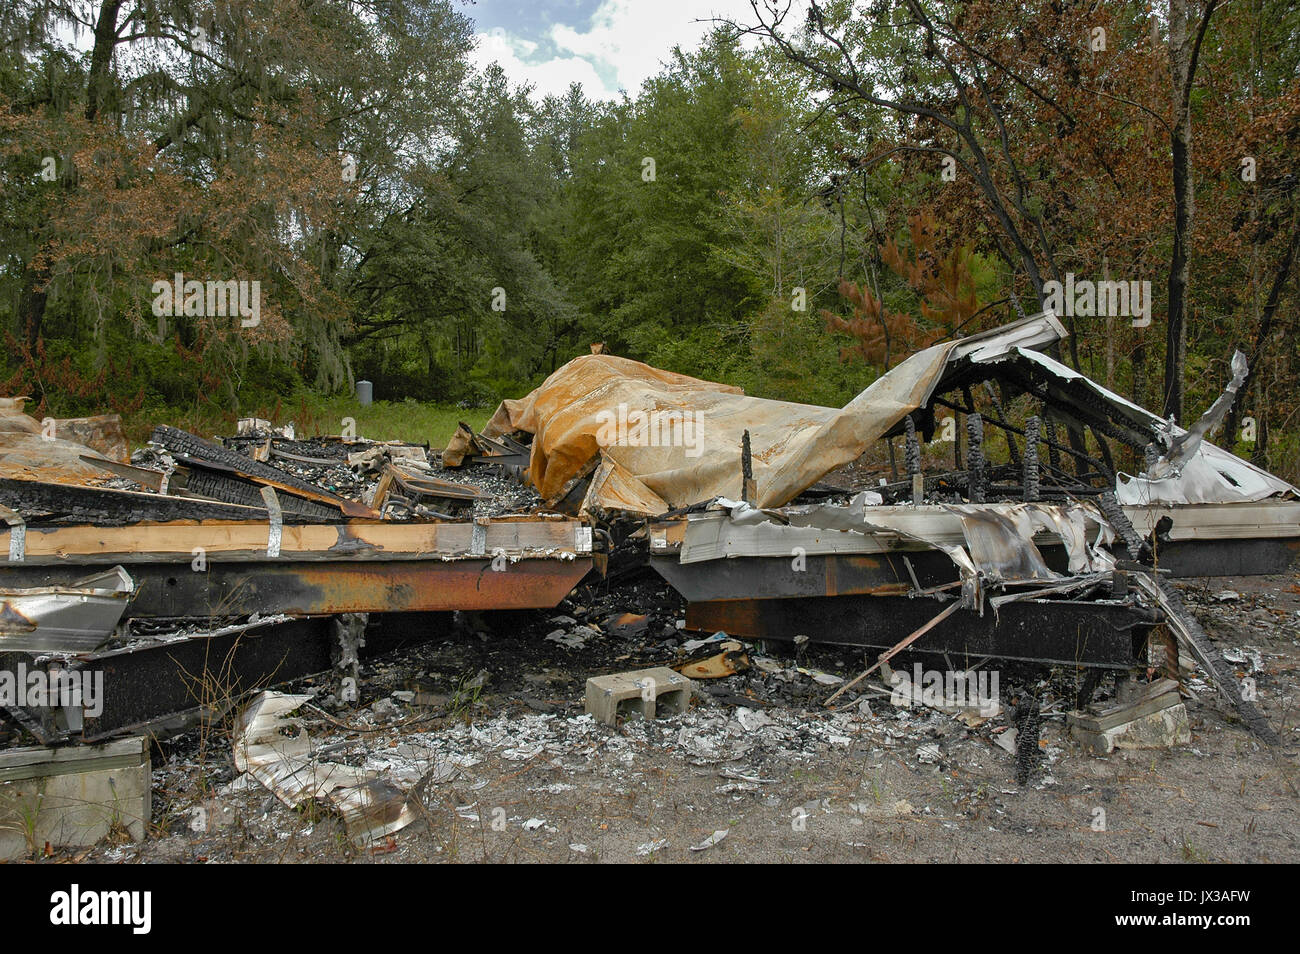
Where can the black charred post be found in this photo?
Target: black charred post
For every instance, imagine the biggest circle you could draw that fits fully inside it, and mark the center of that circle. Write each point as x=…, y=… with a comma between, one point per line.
x=1150, y=455
x=1032, y=490
x=747, y=490
x=1029, y=723
x=1088, y=687
x=1053, y=454
x=912, y=458
x=975, y=458
x=956, y=441
x=912, y=452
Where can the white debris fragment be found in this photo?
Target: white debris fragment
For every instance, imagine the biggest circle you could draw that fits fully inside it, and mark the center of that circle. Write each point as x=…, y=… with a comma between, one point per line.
x=709, y=842
x=650, y=847
x=1245, y=656
x=693, y=644
x=824, y=678
x=1006, y=740
x=751, y=719
x=288, y=765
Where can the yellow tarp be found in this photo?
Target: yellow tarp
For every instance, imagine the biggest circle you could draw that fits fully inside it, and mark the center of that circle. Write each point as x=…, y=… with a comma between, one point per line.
x=658, y=440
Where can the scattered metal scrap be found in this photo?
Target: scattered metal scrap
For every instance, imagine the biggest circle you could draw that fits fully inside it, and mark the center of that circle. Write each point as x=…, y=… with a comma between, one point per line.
x=72, y=618
x=289, y=765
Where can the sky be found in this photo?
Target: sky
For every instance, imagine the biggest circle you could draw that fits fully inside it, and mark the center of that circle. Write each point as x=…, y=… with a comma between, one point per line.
x=606, y=45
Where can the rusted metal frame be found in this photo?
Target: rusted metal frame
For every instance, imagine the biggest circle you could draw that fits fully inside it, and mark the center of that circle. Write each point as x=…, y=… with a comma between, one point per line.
x=301, y=588
x=893, y=573
x=839, y=574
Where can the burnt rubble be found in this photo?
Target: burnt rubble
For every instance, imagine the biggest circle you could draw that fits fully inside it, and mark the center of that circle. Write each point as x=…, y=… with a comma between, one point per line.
x=822, y=576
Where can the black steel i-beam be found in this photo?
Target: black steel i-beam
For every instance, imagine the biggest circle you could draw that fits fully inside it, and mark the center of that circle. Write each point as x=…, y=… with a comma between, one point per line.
x=1107, y=634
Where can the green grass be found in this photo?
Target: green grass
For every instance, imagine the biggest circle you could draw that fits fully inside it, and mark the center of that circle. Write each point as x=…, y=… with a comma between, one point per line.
x=313, y=415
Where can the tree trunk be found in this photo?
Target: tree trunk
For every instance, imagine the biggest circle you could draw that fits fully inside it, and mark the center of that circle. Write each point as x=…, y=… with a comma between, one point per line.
x=101, y=57
x=1184, y=51
x=1263, y=331
x=1180, y=142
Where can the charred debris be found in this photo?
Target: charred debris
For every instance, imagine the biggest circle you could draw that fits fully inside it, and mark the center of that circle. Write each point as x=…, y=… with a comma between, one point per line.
x=979, y=501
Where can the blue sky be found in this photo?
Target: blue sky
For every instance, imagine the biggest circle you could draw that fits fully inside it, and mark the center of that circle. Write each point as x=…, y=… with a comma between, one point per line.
x=606, y=45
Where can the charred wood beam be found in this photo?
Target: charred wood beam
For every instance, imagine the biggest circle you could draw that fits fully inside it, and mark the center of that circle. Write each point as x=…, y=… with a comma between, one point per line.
x=1054, y=448
x=975, y=457
x=1082, y=406
x=48, y=503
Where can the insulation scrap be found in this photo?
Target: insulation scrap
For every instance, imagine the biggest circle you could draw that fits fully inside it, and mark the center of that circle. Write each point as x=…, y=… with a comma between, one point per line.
x=284, y=761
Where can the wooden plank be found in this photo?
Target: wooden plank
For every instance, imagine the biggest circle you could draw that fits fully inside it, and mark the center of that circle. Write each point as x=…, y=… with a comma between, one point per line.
x=352, y=540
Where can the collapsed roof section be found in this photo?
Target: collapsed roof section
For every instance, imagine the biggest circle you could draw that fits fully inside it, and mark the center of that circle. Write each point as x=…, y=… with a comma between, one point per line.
x=619, y=436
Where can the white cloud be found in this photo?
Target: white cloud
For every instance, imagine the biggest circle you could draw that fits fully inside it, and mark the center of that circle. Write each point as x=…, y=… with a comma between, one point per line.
x=549, y=77
x=626, y=42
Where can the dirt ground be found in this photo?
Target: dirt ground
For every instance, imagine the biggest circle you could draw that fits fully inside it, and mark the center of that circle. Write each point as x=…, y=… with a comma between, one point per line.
x=491, y=712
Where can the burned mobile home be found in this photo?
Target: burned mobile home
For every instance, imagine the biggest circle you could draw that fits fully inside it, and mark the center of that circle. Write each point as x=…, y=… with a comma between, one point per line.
x=267, y=557
x=1052, y=555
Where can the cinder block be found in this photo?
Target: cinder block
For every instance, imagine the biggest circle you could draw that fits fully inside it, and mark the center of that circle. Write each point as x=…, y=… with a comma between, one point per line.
x=642, y=694
x=72, y=796
x=1155, y=720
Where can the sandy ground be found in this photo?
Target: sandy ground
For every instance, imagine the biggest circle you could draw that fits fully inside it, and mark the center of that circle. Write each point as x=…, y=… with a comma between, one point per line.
x=519, y=773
